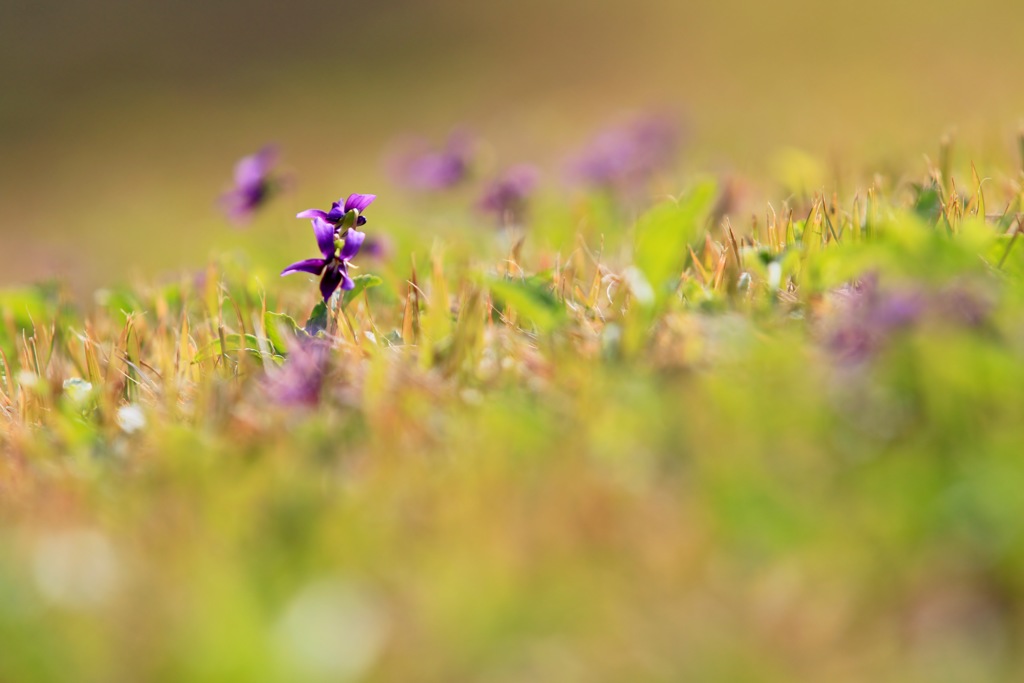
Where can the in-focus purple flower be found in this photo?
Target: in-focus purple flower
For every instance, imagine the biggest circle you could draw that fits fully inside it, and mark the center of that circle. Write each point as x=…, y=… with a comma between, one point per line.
x=333, y=266
x=299, y=382
x=426, y=169
x=507, y=195
x=625, y=157
x=336, y=214
x=254, y=185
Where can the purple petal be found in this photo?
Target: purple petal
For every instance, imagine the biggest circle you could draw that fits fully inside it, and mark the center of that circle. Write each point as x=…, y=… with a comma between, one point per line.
x=337, y=212
x=353, y=240
x=359, y=202
x=330, y=281
x=346, y=282
x=312, y=213
x=377, y=247
x=252, y=170
x=324, y=232
x=236, y=207
x=314, y=266
x=300, y=381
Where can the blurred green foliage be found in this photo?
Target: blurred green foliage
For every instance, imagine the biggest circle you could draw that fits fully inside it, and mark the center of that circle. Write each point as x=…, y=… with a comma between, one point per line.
x=788, y=452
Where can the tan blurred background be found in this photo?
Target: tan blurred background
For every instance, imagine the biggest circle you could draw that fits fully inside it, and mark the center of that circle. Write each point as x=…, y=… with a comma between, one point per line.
x=120, y=120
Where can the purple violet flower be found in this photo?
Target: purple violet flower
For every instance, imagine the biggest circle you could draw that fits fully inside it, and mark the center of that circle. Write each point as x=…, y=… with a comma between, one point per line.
x=253, y=185
x=334, y=265
x=625, y=157
x=338, y=209
x=377, y=247
x=867, y=317
x=299, y=382
x=507, y=195
x=432, y=170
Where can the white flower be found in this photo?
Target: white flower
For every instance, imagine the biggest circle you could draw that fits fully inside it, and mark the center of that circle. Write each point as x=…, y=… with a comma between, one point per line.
x=774, y=274
x=130, y=418
x=77, y=389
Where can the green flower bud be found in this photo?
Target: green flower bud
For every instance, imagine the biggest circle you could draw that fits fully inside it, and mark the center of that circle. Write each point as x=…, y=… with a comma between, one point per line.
x=350, y=219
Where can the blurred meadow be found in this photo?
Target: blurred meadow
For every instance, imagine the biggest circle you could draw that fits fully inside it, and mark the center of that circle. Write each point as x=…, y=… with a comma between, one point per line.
x=678, y=342
x=129, y=115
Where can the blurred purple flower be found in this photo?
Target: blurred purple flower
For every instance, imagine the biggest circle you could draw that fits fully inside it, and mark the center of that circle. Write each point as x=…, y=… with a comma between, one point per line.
x=423, y=168
x=895, y=310
x=868, y=317
x=299, y=382
x=625, y=157
x=338, y=209
x=507, y=195
x=334, y=264
x=254, y=185
x=377, y=247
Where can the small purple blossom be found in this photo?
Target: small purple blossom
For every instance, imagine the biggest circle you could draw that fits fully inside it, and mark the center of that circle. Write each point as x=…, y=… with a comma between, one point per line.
x=432, y=170
x=625, y=157
x=507, y=195
x=868, y=317
x=336, y=214
x=254, y=185
x=299, y=382
x=333, y=266
x=377, y=247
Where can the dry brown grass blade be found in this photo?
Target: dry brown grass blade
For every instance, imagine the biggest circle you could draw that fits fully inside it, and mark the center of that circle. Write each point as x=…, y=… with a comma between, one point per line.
x=826, y=212
x=723, y=260
x=92, y=361
x=857, y=218
x=734, y=247
x=181, y=351
x=411, y=316
x=977, y=202
x=113, y=380
x=771, y=227
x=710, y=252
x=702, y=274
x=6, y=379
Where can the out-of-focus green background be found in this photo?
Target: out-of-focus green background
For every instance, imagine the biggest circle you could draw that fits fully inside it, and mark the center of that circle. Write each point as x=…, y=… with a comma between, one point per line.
x=120, y=120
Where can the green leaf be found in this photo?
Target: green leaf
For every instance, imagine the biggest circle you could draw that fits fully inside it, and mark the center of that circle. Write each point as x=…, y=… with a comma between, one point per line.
x=362, y=282
x=927, y=203
x=532, y=300
x=279, y=327
x=317, y=321
x=664, y=232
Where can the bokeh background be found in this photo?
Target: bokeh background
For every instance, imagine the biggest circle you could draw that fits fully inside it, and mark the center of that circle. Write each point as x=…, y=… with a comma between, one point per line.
x=120, y=120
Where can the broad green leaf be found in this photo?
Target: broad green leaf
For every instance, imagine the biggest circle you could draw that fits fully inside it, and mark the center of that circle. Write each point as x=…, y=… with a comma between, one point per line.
x=317, y=321
x=665, y=231
x=362, y=282
x=927, y=203
x=279, y=327
x=531, y=299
